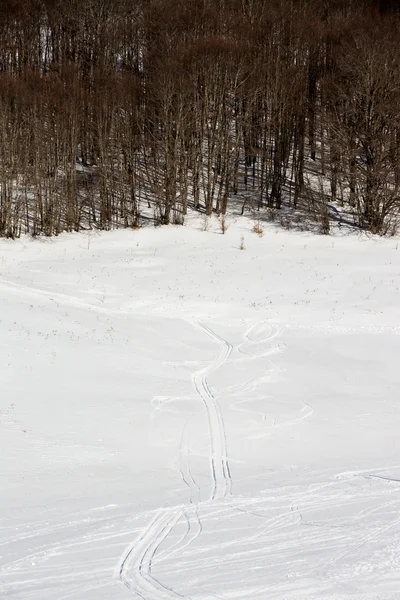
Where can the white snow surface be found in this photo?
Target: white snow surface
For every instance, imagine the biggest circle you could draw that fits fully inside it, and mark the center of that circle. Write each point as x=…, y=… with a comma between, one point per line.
x=180, y=418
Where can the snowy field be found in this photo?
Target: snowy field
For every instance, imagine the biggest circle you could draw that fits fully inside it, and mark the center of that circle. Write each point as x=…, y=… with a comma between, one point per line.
x=180, y=418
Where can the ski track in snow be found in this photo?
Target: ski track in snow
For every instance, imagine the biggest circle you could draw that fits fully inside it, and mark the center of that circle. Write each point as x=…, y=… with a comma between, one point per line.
x=135, y=569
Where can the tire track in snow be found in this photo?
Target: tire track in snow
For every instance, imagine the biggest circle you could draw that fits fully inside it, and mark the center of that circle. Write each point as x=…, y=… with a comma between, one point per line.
x=135, y=570
x=220, y=471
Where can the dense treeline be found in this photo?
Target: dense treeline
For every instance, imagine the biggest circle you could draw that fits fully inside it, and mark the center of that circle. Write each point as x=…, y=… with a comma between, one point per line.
x=109, y=106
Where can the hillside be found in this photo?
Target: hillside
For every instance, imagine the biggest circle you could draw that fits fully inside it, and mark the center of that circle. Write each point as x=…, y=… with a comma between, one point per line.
x=197, y=415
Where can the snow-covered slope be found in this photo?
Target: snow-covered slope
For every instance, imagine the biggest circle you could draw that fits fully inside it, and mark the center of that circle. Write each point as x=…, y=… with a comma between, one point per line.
x=180, y=418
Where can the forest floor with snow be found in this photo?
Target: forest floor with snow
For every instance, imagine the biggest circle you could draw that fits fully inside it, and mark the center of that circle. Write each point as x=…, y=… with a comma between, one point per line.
x=183, y=418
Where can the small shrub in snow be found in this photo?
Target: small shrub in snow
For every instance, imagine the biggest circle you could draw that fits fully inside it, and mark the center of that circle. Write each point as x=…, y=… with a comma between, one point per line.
x=258, y=228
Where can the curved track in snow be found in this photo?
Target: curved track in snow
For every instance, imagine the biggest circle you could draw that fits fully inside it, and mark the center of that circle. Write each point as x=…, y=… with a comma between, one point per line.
x=221, y=474
x=135, y=569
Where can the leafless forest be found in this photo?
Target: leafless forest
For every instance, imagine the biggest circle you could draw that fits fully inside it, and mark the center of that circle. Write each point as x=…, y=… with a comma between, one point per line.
x=110, y=109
